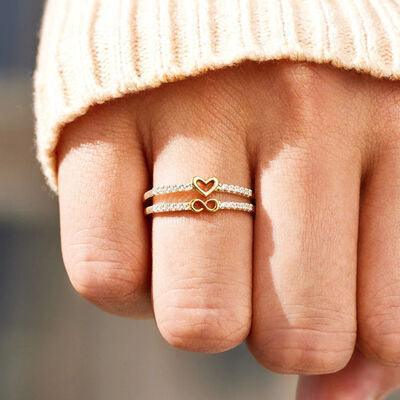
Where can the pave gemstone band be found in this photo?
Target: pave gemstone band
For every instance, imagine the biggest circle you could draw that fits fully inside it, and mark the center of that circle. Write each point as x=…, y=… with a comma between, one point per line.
x=198, y=205
x=203, y=186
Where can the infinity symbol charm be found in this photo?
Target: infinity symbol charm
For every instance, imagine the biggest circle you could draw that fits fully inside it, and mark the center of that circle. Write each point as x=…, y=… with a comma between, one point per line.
x=198, y=205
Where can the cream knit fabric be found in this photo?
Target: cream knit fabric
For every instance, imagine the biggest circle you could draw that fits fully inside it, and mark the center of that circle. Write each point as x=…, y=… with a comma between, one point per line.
x=92, y=51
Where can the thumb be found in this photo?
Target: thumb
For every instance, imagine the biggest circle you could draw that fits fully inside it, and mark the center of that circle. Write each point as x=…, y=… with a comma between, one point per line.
x=361, y=379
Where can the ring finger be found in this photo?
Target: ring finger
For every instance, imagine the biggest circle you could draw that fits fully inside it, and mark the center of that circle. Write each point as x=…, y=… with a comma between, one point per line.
x=201, y=262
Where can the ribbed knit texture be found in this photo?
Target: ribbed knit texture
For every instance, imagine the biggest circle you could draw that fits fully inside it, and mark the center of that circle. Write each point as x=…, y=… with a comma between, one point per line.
x=92, y=51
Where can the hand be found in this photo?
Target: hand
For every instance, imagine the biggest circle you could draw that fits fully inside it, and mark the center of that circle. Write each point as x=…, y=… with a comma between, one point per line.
x=321, y=148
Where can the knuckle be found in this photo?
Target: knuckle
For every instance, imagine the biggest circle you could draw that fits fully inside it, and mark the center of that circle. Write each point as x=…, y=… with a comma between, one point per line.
x=304, y=89
x=302, y=350
x=303, y=81
x=103, y=271
x=380, y=333
x=301, y=74
x=311, y=345
x=202, y=329
x=203, y=314
x=208, y=309
x=99, y=280
x=388, y=102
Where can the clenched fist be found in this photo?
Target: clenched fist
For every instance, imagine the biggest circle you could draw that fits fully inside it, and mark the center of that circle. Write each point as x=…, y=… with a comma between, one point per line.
x=312, y=276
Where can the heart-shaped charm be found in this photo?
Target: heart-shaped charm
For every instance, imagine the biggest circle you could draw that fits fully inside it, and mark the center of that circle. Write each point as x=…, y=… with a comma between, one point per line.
x=205, y=186
x=198, y=205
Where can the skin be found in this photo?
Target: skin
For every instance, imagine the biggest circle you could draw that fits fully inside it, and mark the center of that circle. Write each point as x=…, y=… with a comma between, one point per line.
x=313, y=276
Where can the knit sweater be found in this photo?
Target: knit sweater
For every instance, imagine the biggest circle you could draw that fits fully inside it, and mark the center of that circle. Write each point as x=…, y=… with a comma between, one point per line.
x=93, y=51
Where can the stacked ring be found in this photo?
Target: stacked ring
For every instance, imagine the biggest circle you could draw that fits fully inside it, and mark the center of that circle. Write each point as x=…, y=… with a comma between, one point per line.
x=205, y=187
x=202, y=186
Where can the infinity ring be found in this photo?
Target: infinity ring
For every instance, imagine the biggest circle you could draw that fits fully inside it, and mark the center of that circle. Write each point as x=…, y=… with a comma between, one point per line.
x=204, y=186
x=198, y=205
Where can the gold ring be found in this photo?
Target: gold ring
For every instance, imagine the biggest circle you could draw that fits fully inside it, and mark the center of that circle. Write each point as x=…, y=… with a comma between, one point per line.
x=198, y=205
x=203, y=186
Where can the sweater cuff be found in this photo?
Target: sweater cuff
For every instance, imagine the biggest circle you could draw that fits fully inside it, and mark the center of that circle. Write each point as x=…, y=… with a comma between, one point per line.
x=93, y=51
